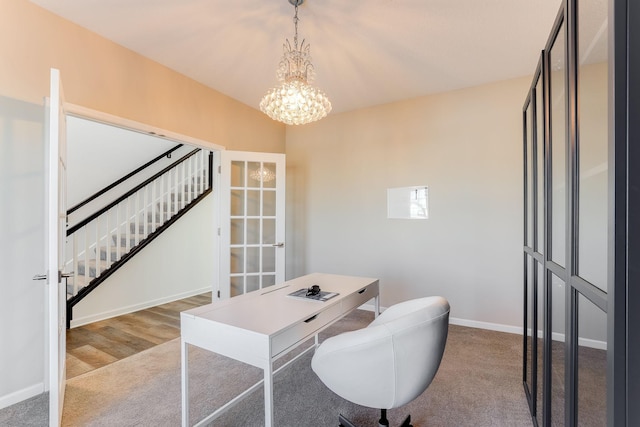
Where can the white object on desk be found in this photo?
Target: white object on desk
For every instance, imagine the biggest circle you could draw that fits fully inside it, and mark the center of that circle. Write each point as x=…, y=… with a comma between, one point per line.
x=258, y=327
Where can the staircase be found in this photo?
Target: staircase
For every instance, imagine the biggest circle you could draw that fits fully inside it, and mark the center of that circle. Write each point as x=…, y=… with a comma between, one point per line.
x=105, y=240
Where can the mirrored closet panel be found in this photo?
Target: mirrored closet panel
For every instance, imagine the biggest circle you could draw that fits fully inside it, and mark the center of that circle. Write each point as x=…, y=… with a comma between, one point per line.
x=566, y=218
x=592, y=24
x=592, y=364
x=556, y=351
x=557, y=81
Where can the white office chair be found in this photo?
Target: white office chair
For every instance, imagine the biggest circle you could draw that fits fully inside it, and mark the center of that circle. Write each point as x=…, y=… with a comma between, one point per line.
x=390, y=362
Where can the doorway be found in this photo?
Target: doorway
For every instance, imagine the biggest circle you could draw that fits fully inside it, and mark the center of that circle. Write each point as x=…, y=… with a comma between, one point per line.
x=177, y=264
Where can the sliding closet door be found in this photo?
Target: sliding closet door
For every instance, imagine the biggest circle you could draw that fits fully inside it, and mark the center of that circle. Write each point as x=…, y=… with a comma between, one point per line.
x=589, y=311
x=557, y=181
x=533, y=119
x=546, y=224
x=590, y=219
x=529, y=379
x=567, y=183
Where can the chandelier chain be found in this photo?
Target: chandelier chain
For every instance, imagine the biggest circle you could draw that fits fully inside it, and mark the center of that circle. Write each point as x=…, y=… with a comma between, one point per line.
x=295, y=23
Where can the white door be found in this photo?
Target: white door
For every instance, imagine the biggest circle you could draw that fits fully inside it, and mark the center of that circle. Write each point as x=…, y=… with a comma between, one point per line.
x=251, y=221
x=56, y=235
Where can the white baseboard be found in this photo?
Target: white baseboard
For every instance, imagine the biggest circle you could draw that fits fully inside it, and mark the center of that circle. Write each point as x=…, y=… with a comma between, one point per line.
x=586, y=342
x=486, y=325
x=135, y=307
x=464, y=322
x=583, y=342
x=20, y=395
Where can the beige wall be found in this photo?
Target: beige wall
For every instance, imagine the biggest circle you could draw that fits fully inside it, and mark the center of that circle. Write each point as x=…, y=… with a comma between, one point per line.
x=104, y=76
x=466, y=146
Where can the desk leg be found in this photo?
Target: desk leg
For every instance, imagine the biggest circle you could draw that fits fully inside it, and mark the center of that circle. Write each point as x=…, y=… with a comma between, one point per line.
x=268, y=395
x=377, y=305
x=184, y=355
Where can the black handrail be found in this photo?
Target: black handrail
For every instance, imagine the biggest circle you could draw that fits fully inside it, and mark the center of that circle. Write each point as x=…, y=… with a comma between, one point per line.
x=121, y=180
x=87, y=220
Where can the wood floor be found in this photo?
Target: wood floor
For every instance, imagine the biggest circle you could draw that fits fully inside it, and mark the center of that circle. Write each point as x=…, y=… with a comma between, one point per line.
x=98, y=344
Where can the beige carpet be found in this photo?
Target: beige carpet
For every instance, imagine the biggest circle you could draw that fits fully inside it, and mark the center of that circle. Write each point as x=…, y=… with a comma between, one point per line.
x=478, y=384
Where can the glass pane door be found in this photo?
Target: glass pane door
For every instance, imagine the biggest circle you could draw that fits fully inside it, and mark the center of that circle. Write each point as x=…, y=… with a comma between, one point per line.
x=251, y=221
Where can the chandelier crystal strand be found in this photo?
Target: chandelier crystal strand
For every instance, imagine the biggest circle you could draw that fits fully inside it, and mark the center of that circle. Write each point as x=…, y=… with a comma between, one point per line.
x=262, y=174
x=295, y=101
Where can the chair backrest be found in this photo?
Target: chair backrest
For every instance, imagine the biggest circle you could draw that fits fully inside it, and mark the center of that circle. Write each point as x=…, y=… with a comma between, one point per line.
x=390, y=362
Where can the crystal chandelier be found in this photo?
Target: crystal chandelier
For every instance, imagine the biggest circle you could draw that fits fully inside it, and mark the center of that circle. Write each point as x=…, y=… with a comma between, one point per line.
x=295, y=101
x=262, y=174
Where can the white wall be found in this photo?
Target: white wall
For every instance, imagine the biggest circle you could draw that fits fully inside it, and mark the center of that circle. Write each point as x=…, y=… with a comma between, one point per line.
x=466, y=146
x=99, y=154
x=21, y=250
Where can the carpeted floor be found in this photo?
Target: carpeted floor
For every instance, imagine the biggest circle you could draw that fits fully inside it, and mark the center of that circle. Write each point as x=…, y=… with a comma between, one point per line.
x=478, y=384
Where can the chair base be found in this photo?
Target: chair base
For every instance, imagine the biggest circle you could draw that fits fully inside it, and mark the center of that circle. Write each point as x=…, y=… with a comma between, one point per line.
x=382, y=422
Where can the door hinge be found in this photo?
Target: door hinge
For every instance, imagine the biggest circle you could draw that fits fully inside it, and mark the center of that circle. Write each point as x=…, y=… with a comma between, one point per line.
x=218, y=231
x=218, y=294
x=219, y=169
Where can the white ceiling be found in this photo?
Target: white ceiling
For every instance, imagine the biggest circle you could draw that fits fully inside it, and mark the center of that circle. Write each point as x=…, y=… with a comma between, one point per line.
x=365, y=52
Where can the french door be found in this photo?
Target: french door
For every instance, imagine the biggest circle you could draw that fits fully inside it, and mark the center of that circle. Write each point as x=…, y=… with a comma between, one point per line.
x=54, y=249
x=251, y=221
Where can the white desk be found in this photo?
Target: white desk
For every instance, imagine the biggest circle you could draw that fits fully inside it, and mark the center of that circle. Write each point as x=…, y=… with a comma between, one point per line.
x=258, y=327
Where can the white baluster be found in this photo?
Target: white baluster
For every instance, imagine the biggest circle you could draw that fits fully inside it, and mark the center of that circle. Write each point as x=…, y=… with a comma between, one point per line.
x=153, y=205
x=190, y=178
x=165, y=196
x=181, y=185
x=75, y=262
x=127, y=242
x=118, y=231
x=96, y=246
x=108, y=241
x=200, y=171
x=136, y=219
x=147, y=231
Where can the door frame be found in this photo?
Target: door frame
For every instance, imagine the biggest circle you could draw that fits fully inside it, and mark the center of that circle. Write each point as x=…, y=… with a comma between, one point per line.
x=134, y=126
x=108, y=119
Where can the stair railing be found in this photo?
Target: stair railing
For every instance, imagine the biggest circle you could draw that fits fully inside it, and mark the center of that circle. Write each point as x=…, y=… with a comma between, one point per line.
x=102, y=242
x=128, y=176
